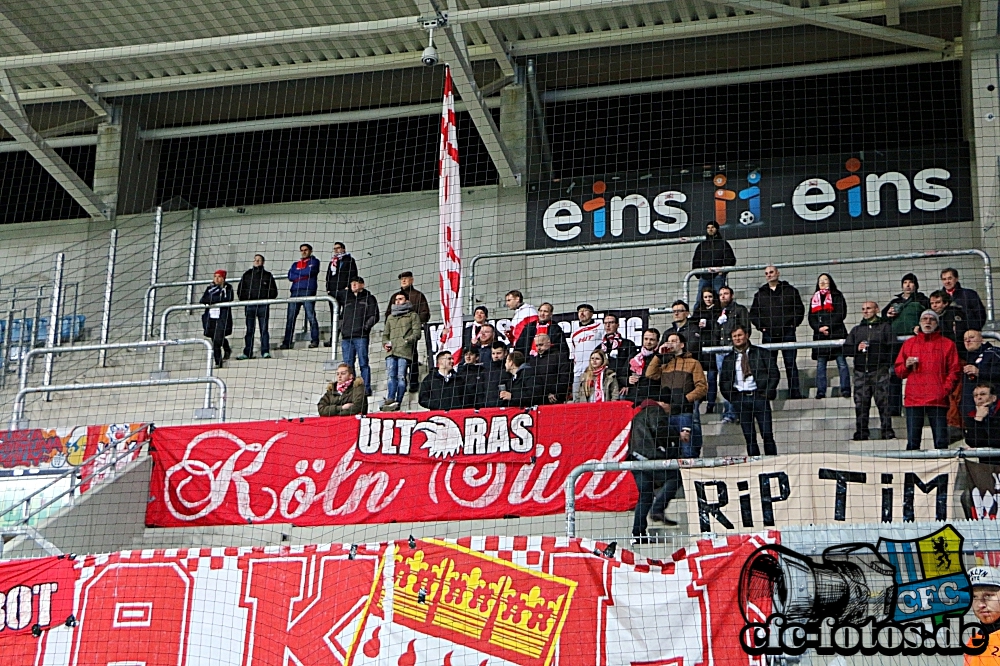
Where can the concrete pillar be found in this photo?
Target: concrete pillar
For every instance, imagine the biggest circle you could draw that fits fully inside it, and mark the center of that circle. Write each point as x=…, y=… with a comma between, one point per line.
x=140, y=164
x=981, y=84
x=107, y=160
x=514, y=125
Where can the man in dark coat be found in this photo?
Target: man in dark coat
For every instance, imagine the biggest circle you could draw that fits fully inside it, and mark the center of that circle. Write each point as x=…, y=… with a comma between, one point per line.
x=339, y=272
x=619, y=349
x=543, y=325
x=967, y=299
x=636, y=386
x=360, y=316
x=423, y=310
x=713, y=252
x=257, y=284
x=777, y=311
x=494, y=375
x=652, y=437
x=981, y=363
x=749, y=379
x=521, y=385
x=217, y=323
x=443, y=388
x=871, y=343
x=553, y=372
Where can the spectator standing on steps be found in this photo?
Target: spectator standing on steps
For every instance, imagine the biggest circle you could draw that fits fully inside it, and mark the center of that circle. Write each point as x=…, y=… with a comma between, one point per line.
x=495, y=375
x=474, y=336
x=653, y=438
x=929, y=362
x=423, y=310
x=967, y=299
x=636, y=386
x=903, y=312
x=303, y=275
x=706, y=318
x=360, y=316
x=584, y=340
x=982, y=421
x=827, y=313
x=981, y=363
x=683, y=325
x=713, y=252
x=871, y=343
x=218, y=322
x=524, y=315
x=733, y=314
x=345, y=396
x=749, y=379
x=553, y=372
x=401, y=333
x=443, y=388
x=617, y=348
x=339, y=272
x=519, y=390
x=257, y=284
x=777, y=311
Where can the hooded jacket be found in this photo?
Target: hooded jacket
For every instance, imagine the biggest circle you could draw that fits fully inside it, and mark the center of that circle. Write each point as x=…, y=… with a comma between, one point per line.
x=713, y=252
x=777, y=311
x=359, y=314
x=419, y=303
x=682, y=374
x=303, y=275
x=257, y=284
x=881, y=341
x=609, y=384
x=935, y=376
x=651, y=437
x=332, y=403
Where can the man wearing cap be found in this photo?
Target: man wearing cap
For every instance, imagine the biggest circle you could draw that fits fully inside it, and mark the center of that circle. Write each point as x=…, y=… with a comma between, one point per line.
x=360, y=316
x=303, y=275
x=217, y=322
x=929, y=363
x=583, y=341
x=986, y=607
x=423, y=310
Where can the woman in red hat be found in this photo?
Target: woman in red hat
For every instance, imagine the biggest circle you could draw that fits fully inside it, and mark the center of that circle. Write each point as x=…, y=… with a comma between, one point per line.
x=218, y=322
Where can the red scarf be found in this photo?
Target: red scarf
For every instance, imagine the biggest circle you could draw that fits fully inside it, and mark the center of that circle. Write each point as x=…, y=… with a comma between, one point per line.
x=638, y=362
x=343, y=386
x=597, y=385
x=611, y=342
x=302, y=264
x=822, y=301
x=540, y=329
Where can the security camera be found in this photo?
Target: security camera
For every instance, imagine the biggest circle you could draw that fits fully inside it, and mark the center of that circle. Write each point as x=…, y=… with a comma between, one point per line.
x=430, y=56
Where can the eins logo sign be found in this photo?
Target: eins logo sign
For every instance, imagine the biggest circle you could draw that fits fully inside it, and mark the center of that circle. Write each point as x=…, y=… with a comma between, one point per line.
x=811, y=200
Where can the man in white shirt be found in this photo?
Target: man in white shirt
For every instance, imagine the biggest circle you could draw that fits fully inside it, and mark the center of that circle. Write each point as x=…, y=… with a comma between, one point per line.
x=584, y=341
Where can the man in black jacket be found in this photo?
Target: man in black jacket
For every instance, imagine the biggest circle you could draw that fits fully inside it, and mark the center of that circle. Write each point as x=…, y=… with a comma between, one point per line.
x=636, y=386
x=777, y=311
x=967, y=299
x=339, y=272
x=257, y=284
x=619, y=349
x=423, y=310
x=360, y=316
x=543, y=325
x=553, y=372
x=521, y=385
x=981, y=363
x=495, y=375
x=653, y=438
x=871, y=344
x=953, y=319
x=443, y=388
x=713, y=252
x=749, y=379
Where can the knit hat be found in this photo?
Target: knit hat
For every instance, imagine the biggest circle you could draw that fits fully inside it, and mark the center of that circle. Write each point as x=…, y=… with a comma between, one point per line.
x=984, y=577
x=221, y=272
x=931, y=313
x=483, y=308
x=912, y=278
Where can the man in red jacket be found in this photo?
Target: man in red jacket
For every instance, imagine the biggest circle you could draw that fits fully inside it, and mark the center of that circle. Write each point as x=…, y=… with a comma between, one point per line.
x=929, y=362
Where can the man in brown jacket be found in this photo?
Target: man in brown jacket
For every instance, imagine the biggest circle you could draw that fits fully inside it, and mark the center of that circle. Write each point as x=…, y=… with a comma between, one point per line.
x=345, y=396
x=682, y=381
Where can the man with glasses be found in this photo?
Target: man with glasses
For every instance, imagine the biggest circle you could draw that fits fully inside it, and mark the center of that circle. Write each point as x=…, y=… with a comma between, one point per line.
x=777, y=311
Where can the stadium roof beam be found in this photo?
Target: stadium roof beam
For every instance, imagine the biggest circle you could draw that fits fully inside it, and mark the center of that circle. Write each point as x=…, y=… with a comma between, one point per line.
x=494, y=42
x=17, y=126
x=78, y=90
x=839, y=23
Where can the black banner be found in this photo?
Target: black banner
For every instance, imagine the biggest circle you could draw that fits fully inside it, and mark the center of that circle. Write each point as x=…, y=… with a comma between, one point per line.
x=864, y=190
x=631, y=324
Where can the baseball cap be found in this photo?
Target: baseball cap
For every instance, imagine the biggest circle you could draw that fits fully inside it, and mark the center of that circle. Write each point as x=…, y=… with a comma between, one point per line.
x=404, y=274
x=984, y=577
x=358, y=278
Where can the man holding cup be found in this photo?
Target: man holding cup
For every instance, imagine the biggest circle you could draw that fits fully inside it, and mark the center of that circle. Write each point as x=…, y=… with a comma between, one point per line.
x=929, y=363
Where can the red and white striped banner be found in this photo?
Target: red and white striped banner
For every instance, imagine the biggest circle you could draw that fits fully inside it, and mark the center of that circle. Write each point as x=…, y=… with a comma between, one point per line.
x=450, y=206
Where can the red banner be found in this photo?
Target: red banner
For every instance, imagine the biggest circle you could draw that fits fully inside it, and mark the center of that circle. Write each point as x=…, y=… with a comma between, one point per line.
x=459, y=465
x=502, y=601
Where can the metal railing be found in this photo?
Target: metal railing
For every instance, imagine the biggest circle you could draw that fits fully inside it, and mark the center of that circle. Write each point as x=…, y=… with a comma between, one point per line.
x=929, y=254
x=240, y=304
x=104, y=348
x=76, y=479
x=569, y=487
x=18, y=421
x=571, y=249
x=818, y=344
x=149, y=301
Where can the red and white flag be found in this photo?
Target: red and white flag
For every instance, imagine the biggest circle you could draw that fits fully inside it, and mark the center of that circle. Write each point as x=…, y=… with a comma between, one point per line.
x=450, y=233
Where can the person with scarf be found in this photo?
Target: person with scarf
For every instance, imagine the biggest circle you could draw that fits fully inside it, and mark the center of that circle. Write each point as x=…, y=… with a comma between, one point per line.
x=217, y=323
x=345, y=396
x=706, y=319
x=402, y=331
x=749, y=380
x=598, y=382
x=679, y=375
x=302, y=275
x=524, y=315
x=544, y=326
x=619, y=349
x=638, y=386
x=827, y=312
x=731, y=315
x=478, y=333
x=986, y=607
x=339, y=272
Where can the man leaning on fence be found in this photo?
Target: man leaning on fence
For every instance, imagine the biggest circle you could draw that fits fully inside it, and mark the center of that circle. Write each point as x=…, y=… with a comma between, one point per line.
x=871, y=344
x=257, y=284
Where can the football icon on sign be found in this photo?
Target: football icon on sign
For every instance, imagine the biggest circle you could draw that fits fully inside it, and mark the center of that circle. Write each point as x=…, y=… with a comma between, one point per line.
x=747, y=218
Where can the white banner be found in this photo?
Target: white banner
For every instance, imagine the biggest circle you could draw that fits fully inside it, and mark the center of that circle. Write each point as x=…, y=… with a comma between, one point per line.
x=818, y=489
x=450, y=206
